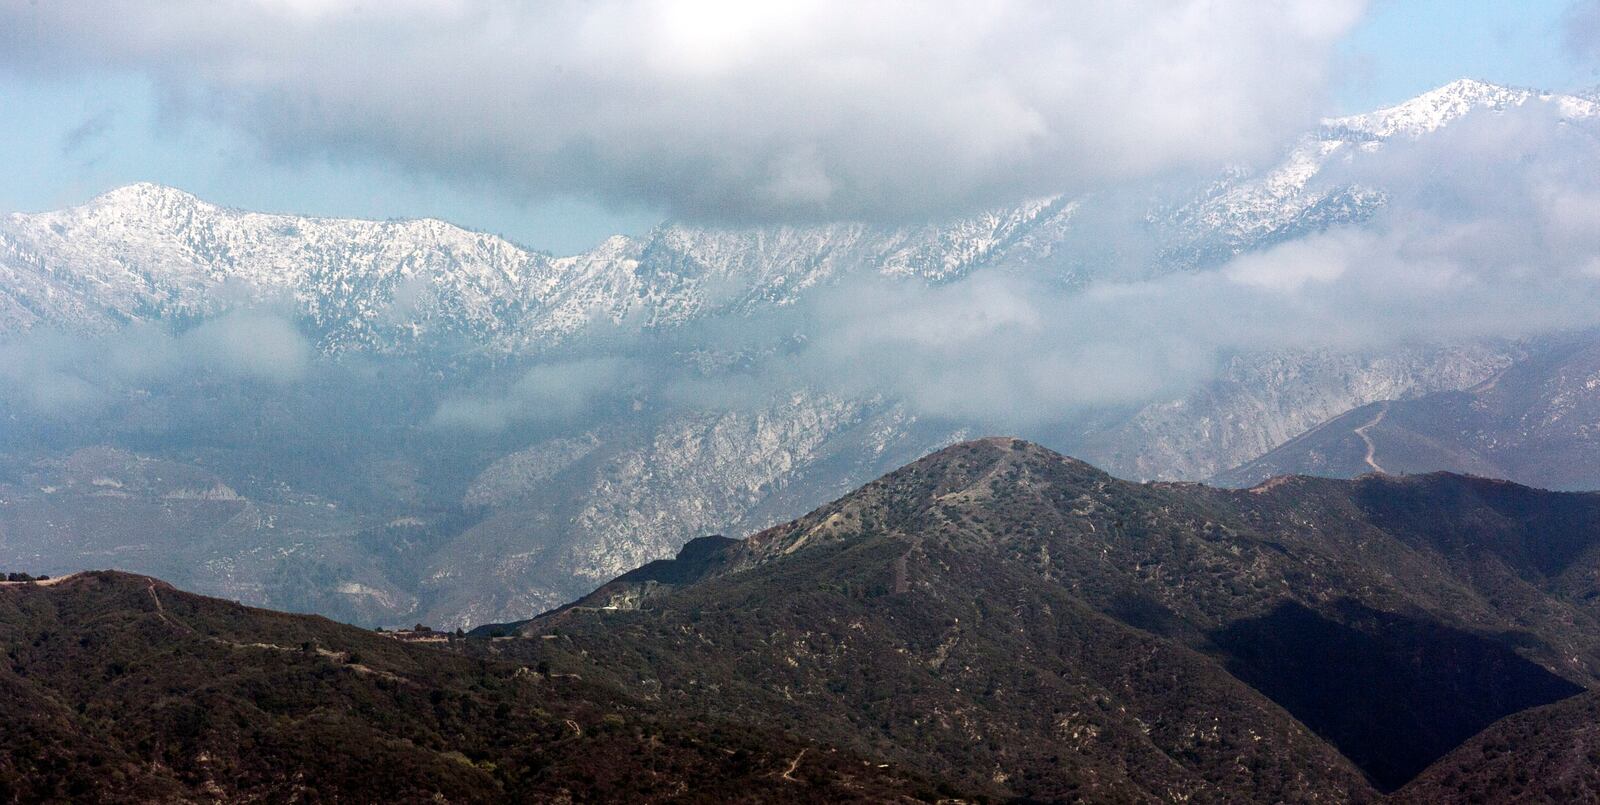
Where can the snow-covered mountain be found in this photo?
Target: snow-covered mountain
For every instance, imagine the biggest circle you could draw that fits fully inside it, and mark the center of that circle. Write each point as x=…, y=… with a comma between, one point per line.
x=147, y=252
x=1438, y=108
x=150, y=252
x=544, y=516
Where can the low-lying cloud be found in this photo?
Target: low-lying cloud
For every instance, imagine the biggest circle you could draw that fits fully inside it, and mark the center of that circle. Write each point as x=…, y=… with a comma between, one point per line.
x=729, y=112
x=554, y=393
x=63, y=376
x=1491, y=231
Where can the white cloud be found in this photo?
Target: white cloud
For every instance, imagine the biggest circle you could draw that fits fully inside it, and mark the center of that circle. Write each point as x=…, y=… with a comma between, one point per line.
x=875, y=109
x=1490, y=232
x=557, y=392
x=63, y=376
x=250, y=345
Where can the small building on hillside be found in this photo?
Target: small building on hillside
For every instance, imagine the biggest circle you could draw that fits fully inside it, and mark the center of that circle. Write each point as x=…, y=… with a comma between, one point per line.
x=417, y=634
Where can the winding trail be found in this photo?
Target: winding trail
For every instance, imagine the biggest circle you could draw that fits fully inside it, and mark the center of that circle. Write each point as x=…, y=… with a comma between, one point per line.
x=788, y=774
x=161, y=611
x=1372, y=449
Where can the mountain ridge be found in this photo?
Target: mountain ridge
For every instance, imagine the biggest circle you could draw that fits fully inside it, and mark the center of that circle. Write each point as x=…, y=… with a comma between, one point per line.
x=440, y=278
x=971, y=564
x=1309, y=639
x=122, y=688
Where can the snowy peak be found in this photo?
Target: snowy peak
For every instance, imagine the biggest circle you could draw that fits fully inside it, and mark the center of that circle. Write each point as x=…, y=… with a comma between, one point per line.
x=146, y=251
x=172, y=213
x=145, y=195
x=1437, y=108
x=154, y=210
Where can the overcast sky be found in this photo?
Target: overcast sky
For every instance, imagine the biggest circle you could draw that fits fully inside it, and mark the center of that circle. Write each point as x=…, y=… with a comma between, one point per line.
x=559, y=123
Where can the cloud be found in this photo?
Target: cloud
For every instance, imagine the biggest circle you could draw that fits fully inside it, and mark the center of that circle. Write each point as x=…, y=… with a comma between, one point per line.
x=249, y=345
x=558, y=392
x=92, y=128
x=730, y=112
x=64, y=376
x=1489, y=233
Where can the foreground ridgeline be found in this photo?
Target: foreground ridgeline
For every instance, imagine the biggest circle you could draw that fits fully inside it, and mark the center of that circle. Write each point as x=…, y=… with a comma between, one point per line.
x=994, y=621
x=120, y=688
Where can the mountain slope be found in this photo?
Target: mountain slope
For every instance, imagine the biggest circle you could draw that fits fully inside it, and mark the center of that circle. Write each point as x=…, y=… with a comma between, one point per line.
x=390, y=526
x=1180, y=634
x=1532, y=422
x=993, y=620
x=120, y=688
x=1549, y=754
x=1261, y=401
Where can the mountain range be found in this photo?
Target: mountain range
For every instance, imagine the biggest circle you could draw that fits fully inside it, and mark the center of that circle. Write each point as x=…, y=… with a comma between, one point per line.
x=992, y=622
x=342, y=494
x=150, y=252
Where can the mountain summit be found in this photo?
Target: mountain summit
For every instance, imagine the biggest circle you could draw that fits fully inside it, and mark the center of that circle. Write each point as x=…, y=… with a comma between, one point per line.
x=1435, y=109
x=1303, y=636
x=994, y=621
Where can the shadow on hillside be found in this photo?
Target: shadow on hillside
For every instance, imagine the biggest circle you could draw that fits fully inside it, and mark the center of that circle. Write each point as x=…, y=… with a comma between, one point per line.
x=1392, y=693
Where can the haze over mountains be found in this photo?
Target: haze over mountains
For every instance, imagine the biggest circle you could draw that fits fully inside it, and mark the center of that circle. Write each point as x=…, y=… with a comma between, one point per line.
x=870, y=401
x=393, y=421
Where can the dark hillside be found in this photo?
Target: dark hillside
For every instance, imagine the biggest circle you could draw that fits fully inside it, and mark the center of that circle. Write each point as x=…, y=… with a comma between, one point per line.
x=121, y=688
x=994, y=621
x=1551, y=754
x=1028, y=625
